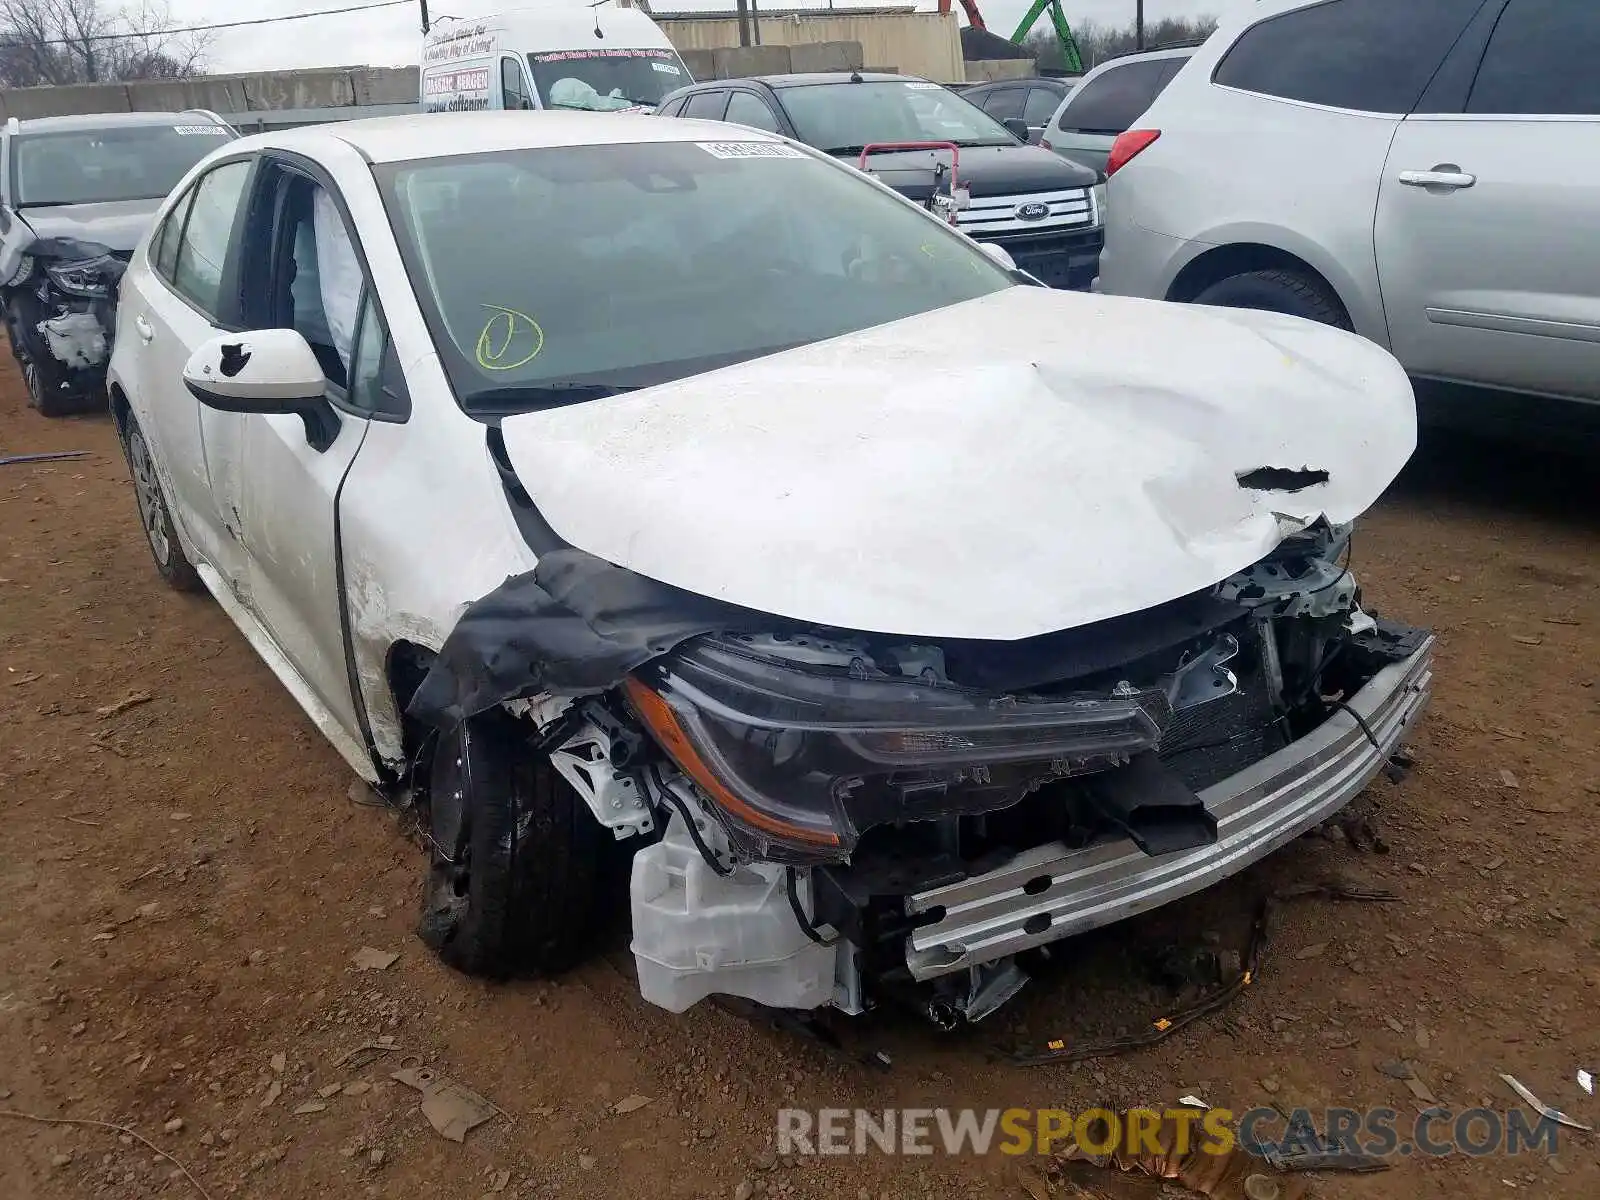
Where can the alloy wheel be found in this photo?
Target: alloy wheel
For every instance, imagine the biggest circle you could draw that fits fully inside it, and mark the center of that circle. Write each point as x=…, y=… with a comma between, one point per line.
x=146, y=489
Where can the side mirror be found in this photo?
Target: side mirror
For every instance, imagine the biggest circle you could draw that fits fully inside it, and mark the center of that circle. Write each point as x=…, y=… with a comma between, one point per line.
x=1000, y=255
x=1017, y=127
x=265, y=372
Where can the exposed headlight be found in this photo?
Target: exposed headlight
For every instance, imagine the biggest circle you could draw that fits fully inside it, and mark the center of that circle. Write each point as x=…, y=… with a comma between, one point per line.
x=799, y=761
x=89, y=277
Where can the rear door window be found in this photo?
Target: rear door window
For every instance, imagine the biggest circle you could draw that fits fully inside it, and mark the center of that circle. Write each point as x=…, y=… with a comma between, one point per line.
x=197, y=271
x=166, y=242
x=745, y=108
x=706, y=106
x=1114, y=101
x=1004, y=103
x=1040, y=104
x=1366, y=55
x=1543, y=60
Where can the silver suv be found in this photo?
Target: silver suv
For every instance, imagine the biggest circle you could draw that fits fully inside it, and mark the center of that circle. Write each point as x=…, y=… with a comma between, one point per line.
x=76, y=195
x=1424, y=173
x=1107, y=101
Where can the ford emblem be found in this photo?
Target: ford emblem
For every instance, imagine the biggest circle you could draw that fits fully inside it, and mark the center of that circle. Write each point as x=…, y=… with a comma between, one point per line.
x=1031, y=211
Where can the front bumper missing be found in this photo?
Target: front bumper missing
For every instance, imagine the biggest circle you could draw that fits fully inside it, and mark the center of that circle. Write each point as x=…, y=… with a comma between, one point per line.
x=1052, y=892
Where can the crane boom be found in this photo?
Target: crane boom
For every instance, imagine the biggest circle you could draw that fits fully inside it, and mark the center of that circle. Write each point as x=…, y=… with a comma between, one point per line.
x=1071, y=59
x=970, y=7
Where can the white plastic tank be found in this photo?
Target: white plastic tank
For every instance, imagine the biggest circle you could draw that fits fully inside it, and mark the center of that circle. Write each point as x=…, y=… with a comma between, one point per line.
x=698, y=933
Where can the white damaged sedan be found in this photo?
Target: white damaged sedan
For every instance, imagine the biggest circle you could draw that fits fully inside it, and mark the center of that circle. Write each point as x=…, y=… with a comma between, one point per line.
x=621, y=488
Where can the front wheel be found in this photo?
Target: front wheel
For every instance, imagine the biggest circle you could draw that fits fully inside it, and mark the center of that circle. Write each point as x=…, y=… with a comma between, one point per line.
x=1293, y=293
x=42, y=375
x=514, y=855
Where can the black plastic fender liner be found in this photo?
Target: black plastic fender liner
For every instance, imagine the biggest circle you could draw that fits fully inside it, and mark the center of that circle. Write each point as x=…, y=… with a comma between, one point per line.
x=577, y=625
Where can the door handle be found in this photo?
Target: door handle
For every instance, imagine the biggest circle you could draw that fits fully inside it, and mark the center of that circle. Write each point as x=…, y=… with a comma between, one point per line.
x=1446, y=175
x=144, y=329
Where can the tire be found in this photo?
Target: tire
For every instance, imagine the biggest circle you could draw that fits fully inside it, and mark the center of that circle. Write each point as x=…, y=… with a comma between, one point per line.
x=41, y=374
x=514, y=856
x=1293, y=293
x=159, y=532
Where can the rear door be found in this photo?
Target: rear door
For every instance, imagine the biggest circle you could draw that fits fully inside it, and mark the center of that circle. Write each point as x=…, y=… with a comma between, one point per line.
x=188, y=295
x=1108, y=105
x=1485, y=237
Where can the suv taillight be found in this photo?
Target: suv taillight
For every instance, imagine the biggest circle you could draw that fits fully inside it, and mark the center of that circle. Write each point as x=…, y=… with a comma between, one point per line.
x=1127, y=147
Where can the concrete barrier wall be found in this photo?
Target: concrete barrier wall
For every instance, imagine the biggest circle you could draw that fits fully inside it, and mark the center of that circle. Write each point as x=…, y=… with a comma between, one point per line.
x=230, y=95
x=983, y=70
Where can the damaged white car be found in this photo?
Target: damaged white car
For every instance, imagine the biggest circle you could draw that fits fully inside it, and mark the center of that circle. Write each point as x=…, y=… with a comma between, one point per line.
x=76, y=195
x=617, y=486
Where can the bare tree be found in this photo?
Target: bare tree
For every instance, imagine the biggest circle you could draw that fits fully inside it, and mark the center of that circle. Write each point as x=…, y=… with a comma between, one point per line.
x=1097, y=42
x=52, y=42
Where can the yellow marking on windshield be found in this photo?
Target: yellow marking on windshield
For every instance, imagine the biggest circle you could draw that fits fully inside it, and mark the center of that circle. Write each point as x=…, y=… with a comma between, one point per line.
x=500, y=331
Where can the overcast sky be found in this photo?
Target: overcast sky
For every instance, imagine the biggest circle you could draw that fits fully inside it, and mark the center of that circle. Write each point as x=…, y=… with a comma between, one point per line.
x=389, y=36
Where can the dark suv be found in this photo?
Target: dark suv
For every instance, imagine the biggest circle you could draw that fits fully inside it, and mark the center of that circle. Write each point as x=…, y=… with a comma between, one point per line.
x=76, y=195
x=1040, y=208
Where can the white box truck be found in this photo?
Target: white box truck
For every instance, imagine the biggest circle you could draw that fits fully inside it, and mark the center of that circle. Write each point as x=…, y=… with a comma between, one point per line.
x=602, y=59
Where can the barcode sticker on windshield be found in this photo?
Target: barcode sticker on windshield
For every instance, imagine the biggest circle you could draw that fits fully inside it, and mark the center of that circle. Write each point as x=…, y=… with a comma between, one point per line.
x=923, y=87
x=199, y=131
x=750, y=150
x=665, y=68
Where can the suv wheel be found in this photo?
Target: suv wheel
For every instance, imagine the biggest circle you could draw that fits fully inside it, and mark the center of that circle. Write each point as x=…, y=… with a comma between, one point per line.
x=154, y=515
x=514, y=855
x=40, y=372
x=1293, y=293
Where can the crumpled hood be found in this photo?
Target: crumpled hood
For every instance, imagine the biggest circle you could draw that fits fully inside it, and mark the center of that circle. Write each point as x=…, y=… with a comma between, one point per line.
x=118, y=224
x=1026, y=462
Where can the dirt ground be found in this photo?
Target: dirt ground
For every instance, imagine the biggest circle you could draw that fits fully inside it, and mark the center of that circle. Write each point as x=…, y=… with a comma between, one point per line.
x=188, y=879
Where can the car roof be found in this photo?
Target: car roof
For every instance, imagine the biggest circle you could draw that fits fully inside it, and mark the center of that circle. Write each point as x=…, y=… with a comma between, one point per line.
x=447, y=135
x=84, y=121
x=813, y=78
x=1048, y=81
x=1186, y=50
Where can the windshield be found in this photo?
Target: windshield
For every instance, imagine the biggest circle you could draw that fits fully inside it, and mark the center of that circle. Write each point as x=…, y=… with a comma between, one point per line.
x=606, y=80
x=841, y=117
x=138, y=162
x=622, y=266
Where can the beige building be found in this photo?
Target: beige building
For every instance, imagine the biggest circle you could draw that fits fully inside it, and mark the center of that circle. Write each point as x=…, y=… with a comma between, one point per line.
x=917, y=43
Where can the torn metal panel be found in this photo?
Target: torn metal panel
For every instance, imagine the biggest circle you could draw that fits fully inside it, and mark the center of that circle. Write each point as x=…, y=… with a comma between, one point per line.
x=574, y=625
x=1281, y=479
x=16, y=265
